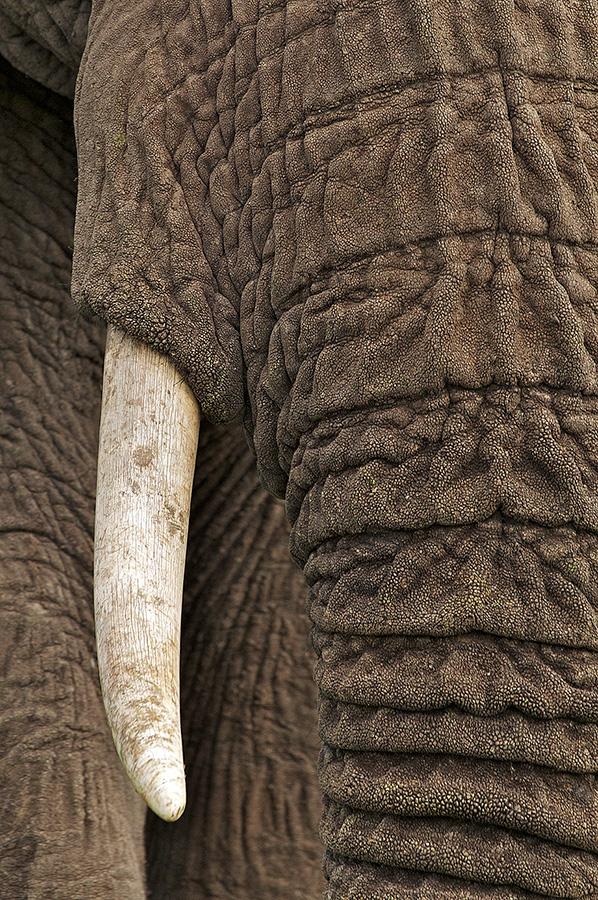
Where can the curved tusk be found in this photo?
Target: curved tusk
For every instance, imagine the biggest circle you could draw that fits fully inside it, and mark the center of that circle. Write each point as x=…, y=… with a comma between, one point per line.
x=148, y=442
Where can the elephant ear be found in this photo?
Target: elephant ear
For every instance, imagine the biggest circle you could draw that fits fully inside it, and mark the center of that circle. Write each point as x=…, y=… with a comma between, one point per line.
x=148, y=253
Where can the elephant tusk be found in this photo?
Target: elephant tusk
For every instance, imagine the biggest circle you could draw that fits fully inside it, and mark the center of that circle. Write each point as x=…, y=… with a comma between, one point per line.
x=148, y=443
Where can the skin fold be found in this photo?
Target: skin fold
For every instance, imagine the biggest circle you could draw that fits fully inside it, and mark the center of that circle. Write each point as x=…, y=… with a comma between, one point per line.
x=368, y=231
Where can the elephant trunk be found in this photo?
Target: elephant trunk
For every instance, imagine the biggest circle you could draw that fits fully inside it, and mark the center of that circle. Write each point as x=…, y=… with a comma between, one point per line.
x=427, y=401
x=453, y=599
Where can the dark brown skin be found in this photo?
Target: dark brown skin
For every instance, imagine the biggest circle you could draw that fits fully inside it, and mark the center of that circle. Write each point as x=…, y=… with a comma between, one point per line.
x=371, y=229
x=71, y=826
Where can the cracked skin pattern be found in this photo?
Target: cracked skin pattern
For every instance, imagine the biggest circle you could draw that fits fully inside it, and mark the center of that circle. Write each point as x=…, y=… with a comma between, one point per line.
x=371, y=228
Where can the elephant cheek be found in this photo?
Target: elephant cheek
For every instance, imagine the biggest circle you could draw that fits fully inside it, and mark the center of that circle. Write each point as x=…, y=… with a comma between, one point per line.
x=148, y=442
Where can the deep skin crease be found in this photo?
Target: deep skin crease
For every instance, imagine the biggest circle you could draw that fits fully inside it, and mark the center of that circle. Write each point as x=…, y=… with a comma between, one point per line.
x=370, y=231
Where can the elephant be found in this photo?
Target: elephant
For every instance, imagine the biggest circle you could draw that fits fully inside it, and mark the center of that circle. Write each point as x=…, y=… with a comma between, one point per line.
x=367, y=233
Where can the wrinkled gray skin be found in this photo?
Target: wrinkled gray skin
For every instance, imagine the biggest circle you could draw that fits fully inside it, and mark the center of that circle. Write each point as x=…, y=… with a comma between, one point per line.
x=369, y=229
x=71, y=827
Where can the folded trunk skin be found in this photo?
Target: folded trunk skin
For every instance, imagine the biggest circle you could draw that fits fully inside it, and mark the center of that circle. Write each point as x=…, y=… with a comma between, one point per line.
x=388, y=212
x=457, y=669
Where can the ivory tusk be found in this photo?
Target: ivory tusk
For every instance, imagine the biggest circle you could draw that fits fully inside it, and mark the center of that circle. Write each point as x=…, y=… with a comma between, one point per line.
x=146, y=459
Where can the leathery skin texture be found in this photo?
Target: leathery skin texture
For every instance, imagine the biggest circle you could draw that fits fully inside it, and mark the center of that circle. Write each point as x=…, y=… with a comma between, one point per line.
x=372, y=227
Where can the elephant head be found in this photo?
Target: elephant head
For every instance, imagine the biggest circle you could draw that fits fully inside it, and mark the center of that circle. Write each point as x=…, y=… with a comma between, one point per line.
x=370, y=230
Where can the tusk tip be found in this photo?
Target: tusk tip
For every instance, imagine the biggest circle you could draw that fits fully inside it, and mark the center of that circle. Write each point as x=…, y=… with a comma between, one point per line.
x=167, y=796
x=158, y=775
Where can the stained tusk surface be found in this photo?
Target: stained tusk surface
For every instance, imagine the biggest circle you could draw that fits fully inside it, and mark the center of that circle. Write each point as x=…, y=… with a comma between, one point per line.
x=146, y=459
